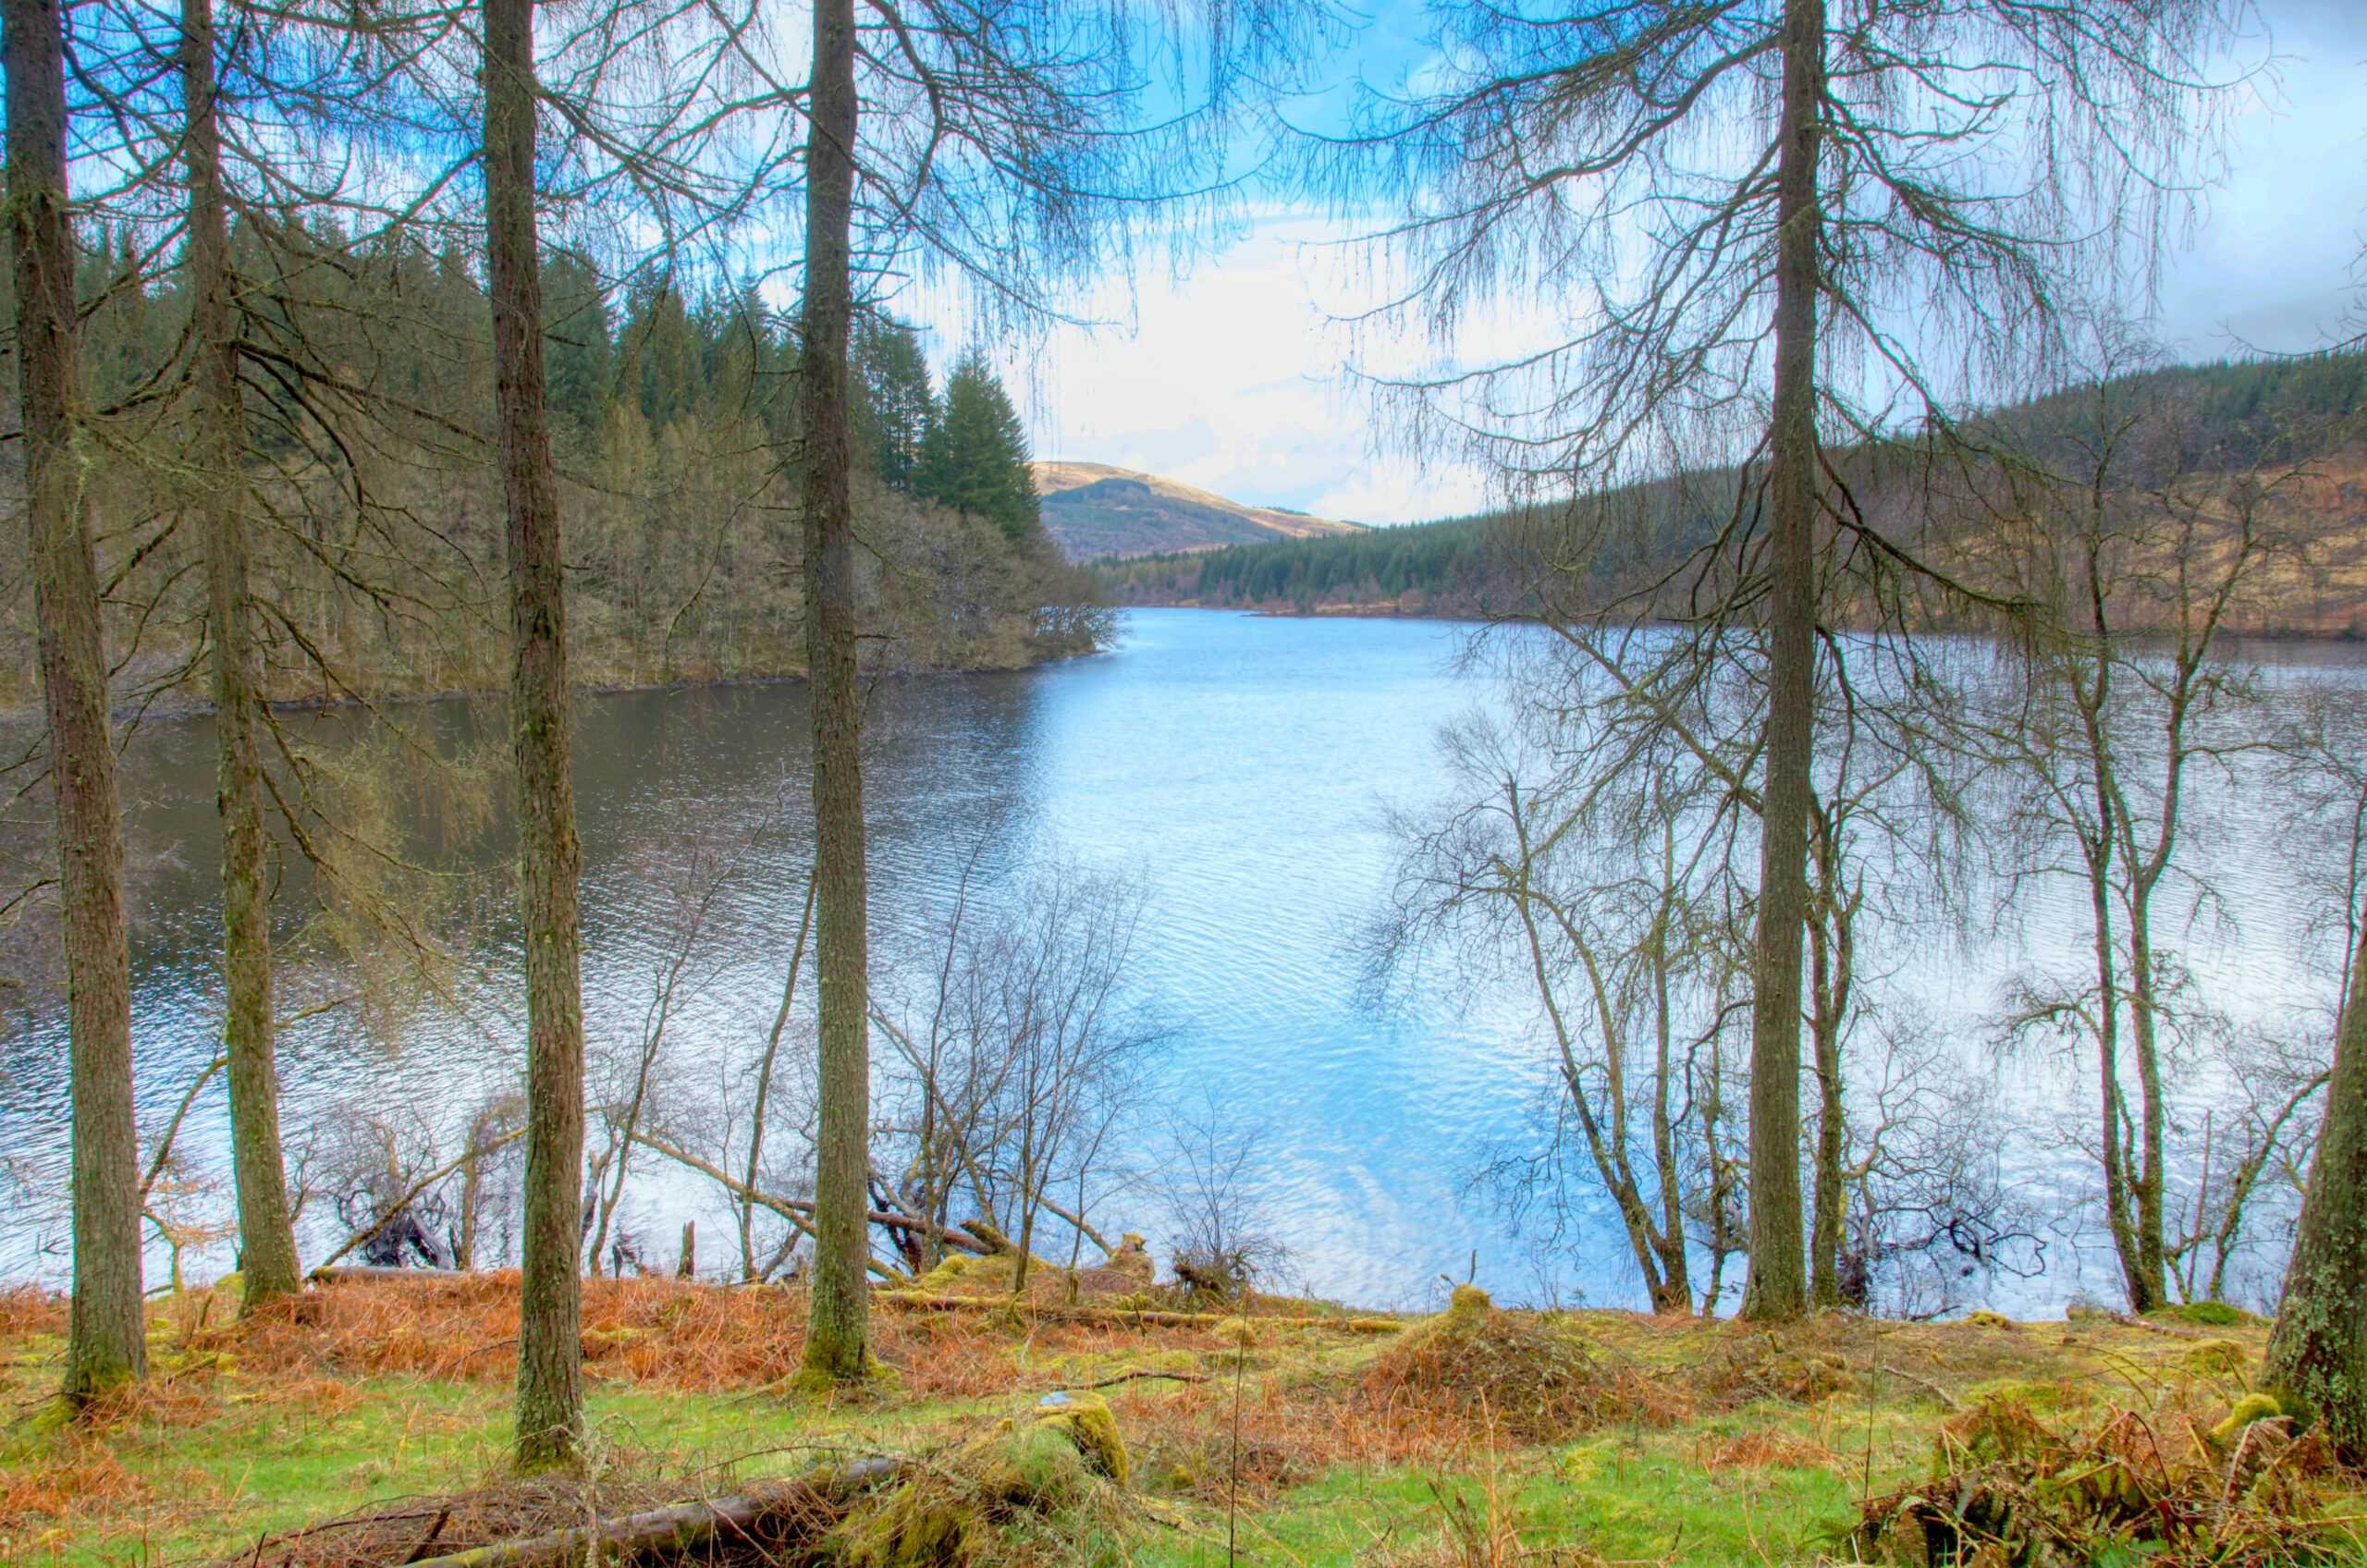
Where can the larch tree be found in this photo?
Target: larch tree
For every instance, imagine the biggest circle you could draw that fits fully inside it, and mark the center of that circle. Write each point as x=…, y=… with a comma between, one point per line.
x=1003, y=147
x=106, y=1342
x=837, y=1327
x=1765, y=226
x=550, y=1362
x=267, y=1262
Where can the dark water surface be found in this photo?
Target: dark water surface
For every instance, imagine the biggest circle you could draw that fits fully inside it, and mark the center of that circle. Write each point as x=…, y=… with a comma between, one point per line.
x=1239, y=766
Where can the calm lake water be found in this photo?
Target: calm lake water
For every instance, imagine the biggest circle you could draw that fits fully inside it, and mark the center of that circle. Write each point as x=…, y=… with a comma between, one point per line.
x=1240, y=766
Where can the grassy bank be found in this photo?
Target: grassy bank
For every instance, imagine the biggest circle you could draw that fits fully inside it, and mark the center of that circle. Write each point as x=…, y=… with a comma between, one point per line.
x=1582, y=1437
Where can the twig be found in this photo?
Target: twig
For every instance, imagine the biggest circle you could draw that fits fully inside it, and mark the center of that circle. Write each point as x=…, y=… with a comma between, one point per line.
x=1924, y=1383
x=173, y=1128
x=1129, y=1377
x=429, y=1539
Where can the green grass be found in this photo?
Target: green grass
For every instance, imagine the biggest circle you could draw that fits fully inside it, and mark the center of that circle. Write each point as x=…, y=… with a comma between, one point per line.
x=1622, y=1496
x=219, y=1451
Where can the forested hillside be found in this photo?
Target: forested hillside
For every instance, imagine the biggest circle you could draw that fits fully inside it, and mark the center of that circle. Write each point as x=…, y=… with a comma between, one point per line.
x=2300, y=417
x=379, y=554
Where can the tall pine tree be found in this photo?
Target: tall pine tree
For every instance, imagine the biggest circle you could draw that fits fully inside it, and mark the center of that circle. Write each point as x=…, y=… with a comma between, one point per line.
x=975, y=458
x=894, y=407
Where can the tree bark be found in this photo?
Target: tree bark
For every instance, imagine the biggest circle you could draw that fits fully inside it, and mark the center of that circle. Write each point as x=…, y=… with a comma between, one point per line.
x=1829, y=985
x=1777, y=1286
x=2317, y=1350
x=837, y=1331
x=267, y=1264
x=550, y=1364
x=106, y=1338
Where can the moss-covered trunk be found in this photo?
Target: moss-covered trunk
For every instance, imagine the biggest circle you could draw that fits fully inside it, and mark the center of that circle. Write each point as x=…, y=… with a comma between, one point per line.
x=550, y=1359
x=106, y=1342
x=837, y=1331
x=2318, y=1349
x=1777, y=1286
x=267, y=1262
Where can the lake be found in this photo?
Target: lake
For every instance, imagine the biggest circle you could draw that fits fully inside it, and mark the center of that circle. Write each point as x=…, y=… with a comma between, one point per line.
x=1238, y=766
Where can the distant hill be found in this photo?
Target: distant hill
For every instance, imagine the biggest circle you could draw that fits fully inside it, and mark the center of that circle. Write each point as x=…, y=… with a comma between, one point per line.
x=2237, y=415
x=1094, y=510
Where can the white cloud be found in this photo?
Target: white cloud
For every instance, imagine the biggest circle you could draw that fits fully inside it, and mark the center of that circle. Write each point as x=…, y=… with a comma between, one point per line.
x=2273, y=264
x=1232, y=376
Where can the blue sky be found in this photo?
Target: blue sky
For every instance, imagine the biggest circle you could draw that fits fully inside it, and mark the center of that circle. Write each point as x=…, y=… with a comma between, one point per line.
x=1229, y=374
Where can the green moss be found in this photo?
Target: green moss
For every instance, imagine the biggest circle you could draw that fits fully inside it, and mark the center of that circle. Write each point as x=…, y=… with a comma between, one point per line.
x=1087, y=1422
x=2249, y=1409
x=2213, y=1358
x=1469, y=1302
x=2205, y=1315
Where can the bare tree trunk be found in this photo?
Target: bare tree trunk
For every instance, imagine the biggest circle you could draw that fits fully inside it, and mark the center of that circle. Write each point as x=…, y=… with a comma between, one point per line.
x=2148, y=1288
x=2094, y=704
x=1675, y=1294
x=1824, y=1237
x=550, y=1354
x=836, y=1322
x=2317, y=1352
x=107, y=1342
x=267, y=1264
x=765, y=1087
x=1776, y=1286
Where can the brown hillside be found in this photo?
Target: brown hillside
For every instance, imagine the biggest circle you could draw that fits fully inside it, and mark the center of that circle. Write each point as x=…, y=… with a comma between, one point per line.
x=1095, y=510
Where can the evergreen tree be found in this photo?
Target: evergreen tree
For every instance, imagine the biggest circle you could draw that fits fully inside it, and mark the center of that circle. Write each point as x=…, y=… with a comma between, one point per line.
x=975, y=458
x=894, y=407
x=579, y=346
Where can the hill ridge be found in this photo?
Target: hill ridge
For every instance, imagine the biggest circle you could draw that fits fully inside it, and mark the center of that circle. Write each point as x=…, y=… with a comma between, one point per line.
x=1101, y=511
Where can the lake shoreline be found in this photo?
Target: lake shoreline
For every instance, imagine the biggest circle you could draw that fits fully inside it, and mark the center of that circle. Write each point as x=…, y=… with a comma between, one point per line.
x=28, y=716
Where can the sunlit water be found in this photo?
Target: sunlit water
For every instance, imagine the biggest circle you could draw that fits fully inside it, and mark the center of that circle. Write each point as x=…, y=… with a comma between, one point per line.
x=1239, y=766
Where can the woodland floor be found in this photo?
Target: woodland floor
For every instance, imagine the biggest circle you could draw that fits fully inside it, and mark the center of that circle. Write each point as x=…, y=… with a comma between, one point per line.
x=1695, y=1442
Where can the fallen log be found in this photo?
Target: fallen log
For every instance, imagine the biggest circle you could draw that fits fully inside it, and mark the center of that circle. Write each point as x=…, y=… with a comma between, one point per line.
x=799, y=1211
x=681, y=1528
x=1125, y=1317
x=332, y=1273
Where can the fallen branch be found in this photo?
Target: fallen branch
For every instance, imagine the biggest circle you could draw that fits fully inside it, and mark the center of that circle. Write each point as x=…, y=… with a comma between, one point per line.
x=797, y=1211
x=368, y=1233
x=678, y=1529
x=1924, y=1383
x=1129, y=1377
x=330, y=1274
x=1122, y=1317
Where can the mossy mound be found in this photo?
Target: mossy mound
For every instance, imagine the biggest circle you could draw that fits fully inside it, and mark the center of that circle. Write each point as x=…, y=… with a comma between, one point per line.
x=1533, y=1382
x=967, y=1274
x=2204, y=1315
x=1984, y=1319
x=2249, y=1409
x=2215, y=1359
x=1054, y=1469
x=1132, y=1258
